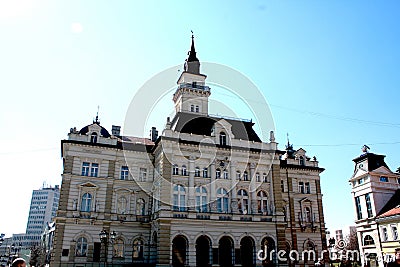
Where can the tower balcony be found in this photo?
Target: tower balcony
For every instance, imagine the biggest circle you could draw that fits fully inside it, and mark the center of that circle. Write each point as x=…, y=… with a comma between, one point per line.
x=194, y=86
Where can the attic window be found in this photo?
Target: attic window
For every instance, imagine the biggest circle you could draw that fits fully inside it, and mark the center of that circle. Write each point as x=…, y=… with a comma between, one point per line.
x=93, y=138
x=384, y=179
x=302, y=163
x=222, y=139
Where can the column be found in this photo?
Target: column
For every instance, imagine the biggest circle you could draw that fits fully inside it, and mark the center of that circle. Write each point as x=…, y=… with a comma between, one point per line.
x=191, y=197
x=234, y=204
x=213, y=195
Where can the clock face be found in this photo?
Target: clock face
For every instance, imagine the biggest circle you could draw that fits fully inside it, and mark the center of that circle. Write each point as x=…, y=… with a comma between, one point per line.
x=360, y=166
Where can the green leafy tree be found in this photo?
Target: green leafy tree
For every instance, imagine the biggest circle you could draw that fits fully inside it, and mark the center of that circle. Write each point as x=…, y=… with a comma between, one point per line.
x=38, y=256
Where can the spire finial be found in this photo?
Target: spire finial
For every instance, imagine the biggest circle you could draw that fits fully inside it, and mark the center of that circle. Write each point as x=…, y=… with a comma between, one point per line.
x=192, y=52
x=97, y=116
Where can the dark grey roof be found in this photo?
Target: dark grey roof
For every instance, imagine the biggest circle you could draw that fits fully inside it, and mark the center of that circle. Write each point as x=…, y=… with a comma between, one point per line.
x=103, y=130
x=374, y=161
x=393, y=202
x=203, y=125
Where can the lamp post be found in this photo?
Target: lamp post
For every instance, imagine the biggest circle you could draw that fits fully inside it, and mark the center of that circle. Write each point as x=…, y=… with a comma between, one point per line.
x=106, y=238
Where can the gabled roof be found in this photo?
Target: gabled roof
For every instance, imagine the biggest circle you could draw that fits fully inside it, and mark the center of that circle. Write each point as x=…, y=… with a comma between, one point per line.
x=393, y=202
x=392, y=212
x=203, y=125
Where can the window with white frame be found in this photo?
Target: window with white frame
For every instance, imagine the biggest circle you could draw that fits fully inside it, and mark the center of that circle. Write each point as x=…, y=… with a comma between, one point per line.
x=218, y=173
x=395, y=233
x=301, y=187
x=179, y=198
x=222, y=139
x=122, y=204
x=307, y=187
x=201, y=199
x=369, y=205
x=93, y=138
x=265, y=178
x=175, y=169
x=118, y=248
x=358, y=208
x=245, y=176
x=222, y=200
x=238, y=176
x=368, y=240
x=205, y=173
x=258, y=178
x=197, y=109
x=94, y=170
x=142, y=174
x=184, y=170
x=86, y=202
x=85, y=168
x=140, y=207
x=307, y=214
x=81, y=247
x=262, y=202
x=191, y=108
x=197, y=172
x=124, y=173
x=243, y=201
x=226, y=174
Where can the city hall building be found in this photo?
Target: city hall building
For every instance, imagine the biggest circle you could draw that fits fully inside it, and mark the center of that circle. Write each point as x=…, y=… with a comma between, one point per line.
x=206, y=192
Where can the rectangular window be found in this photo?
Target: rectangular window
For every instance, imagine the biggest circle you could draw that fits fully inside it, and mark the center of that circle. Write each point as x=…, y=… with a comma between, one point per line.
x=197, y=109
x=226, y=176
x=258, y=179
x=205, y=173
x=282, y=186
x=124, y=173
x=384, y=234
x=301, y=187
x=265, y=178
x=307, y=187
x=384, y=179
x=358, y=208
x=369, y=206
x=361, y=181
x=85, y=168
x=142, y=174
x=395, y=233
x=94, y=170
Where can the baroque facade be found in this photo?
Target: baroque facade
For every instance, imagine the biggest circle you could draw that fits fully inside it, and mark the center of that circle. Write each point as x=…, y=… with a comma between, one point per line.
x=376, y=193
x=206, y=192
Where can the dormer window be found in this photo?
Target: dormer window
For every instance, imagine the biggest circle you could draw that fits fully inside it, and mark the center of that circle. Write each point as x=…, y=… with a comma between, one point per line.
x=302, y=163
x=222, y=139
x=93, y=138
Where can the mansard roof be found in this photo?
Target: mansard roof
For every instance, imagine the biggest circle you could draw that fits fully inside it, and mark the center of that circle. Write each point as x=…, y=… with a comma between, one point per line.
x=103, y=130
x=203, y=125
x=374, y=161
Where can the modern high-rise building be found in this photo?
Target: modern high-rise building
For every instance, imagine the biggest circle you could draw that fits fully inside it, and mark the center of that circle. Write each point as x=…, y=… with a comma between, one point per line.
x=44, y=204
x=206, y=192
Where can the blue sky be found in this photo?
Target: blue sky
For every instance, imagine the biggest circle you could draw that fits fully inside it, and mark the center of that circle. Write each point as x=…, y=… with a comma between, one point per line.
x=328, y=69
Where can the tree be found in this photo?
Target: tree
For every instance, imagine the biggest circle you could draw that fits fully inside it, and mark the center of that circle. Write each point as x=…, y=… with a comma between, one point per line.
x=398, y=170
x=38, y=256
x=352, y=246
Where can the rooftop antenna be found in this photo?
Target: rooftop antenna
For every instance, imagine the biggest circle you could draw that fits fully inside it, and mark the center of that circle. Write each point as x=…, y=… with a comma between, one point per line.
x=97, y=115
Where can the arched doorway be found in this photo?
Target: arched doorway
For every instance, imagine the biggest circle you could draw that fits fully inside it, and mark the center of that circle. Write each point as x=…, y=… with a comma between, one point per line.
x=247, y=252
x=267, y=245
x=203, y=246
x=179, y=245
x=225, y=252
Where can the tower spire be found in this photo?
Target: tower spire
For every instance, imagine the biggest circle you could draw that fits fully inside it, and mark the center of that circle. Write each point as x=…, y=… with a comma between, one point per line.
x=192, y=53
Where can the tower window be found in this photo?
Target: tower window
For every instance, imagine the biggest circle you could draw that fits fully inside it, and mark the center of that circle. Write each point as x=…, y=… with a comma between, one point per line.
x=358, y=207
x=369, y=206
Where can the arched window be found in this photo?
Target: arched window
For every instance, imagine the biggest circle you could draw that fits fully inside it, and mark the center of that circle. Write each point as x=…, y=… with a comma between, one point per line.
x=222, y=200
x=245, y=176
x=368, y=240
x=307, y=214
x=192, y=108
x=175, y=169
x=86, y=202
x=81, y=247
x=201, y=199
x=122, y=205
x=179, y=198
x=218, y=173
x=243, y=201
x=262, y=202
x=93, y=137
x=140, y=207
x=222, y=139
x=118, y=248
x=138, y=249
x=238, y=175
x=265, y=177
x=302, y=163
x=197, y=172
x=184, y=170
x=226, y=174
x=197, y=109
